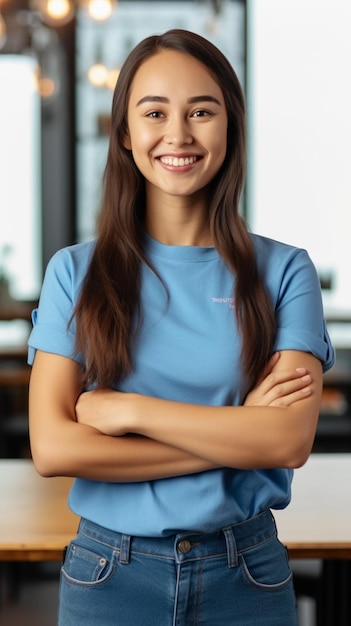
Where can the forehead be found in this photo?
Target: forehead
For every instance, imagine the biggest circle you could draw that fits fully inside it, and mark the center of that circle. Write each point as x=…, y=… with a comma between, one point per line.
x=171, y=72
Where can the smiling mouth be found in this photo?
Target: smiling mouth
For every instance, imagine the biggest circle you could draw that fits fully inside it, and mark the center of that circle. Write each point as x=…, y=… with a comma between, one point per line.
x=179, y=161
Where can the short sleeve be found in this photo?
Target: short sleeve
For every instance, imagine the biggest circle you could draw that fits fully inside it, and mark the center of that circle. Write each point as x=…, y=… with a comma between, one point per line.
x=299, y=310
x=53, y=327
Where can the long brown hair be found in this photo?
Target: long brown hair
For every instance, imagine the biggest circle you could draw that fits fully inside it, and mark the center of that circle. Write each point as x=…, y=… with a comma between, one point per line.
x=108, y=310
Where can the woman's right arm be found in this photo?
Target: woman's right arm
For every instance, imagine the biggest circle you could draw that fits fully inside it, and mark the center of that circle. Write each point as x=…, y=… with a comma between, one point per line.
x=63, y=447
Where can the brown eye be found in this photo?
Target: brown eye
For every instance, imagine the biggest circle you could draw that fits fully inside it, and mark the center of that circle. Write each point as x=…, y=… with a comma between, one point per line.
x=201, y=113
x=154, y=114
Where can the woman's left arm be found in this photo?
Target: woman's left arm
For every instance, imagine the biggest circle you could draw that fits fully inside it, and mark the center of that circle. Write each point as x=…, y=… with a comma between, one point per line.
x=246, y=437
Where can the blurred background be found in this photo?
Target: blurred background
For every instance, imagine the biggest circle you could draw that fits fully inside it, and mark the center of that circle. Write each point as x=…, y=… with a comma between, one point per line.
x=59, y=60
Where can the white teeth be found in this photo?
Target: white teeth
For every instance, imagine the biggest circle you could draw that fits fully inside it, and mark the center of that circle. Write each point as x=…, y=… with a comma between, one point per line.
x=178, y=161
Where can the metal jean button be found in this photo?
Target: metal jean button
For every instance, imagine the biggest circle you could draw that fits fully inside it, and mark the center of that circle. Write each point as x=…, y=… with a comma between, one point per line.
x=184, y=546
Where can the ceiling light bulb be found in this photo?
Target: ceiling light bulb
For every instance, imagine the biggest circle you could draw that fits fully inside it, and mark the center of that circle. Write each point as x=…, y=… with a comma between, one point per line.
x=97, y=74
x=54, y=12
x=100, y=10
x=47, y=87
x=58, y=9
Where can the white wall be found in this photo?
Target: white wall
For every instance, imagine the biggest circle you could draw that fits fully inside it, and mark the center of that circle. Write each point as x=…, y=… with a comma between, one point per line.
x=299, y=92
x=20, y=186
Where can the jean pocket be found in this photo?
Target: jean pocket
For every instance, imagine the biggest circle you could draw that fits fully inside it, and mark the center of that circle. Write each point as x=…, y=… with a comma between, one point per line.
x=266, y=566
x=87, y=567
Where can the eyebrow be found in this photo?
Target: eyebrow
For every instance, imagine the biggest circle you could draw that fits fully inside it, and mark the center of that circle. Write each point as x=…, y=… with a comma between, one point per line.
x=192, y=100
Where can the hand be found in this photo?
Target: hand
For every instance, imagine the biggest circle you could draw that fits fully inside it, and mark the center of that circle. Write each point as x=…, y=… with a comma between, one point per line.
x=280, y=388
x=106, y=410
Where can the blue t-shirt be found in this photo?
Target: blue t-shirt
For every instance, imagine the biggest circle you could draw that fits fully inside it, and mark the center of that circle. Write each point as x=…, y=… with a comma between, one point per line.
x=188, y=350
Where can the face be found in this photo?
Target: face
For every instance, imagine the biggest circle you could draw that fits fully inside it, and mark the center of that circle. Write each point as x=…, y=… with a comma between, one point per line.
x=177, y=123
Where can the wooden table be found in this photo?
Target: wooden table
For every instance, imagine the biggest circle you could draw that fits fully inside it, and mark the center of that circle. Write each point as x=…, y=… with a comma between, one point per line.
x=36, y=524
x=317, y=523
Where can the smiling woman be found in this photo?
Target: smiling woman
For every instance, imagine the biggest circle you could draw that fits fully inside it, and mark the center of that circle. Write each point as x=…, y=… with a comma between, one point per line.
x=177, y=365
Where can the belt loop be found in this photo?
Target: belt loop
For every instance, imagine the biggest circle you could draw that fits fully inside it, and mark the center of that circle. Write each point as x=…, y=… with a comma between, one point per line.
x=124, y=555
x=231, y=547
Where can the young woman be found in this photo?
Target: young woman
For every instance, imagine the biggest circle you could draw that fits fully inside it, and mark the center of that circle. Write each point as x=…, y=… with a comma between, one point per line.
x=153, y=379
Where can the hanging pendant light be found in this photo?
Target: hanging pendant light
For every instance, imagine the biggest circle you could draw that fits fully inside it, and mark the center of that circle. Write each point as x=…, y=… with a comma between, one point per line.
x=54, y=12
x=60, y=12
x=99, y=10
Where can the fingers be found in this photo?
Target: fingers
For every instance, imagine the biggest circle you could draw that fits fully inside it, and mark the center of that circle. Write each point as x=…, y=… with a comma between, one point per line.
x=288, y=391
x=288, y=400
x=285, y=380
x=281, y=388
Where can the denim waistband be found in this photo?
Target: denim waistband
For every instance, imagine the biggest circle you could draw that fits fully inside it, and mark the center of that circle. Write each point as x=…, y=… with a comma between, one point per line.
x=187, y=546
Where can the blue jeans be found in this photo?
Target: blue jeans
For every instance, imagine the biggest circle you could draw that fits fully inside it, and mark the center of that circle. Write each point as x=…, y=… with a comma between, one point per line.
x=237, y=576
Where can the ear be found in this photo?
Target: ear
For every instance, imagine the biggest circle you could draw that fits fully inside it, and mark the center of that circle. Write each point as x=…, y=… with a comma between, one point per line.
x=126, y=142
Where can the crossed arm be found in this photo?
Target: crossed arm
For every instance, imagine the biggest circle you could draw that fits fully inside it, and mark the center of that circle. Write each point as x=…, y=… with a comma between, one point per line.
x=112, y=436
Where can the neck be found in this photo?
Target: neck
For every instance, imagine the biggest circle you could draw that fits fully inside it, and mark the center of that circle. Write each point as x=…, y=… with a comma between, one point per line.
x=178, y=221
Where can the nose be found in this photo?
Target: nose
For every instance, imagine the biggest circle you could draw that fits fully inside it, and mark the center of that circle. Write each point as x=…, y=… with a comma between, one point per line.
x=177, y=132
